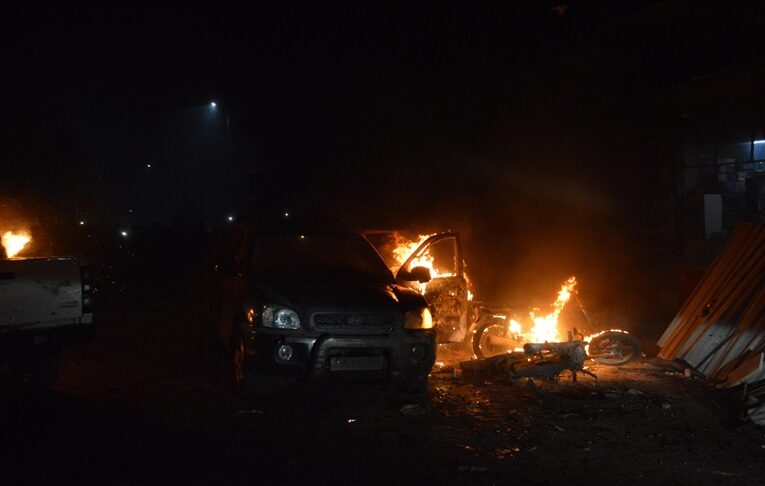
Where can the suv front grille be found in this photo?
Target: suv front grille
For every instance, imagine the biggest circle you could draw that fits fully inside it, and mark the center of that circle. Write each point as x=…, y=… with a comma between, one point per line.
x=354, y=321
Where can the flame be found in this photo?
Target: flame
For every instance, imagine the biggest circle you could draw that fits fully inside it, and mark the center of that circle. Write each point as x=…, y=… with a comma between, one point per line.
x=14, y=242
x=404, y=248
x=589, y=338
x=545, y=328
x=515, y=327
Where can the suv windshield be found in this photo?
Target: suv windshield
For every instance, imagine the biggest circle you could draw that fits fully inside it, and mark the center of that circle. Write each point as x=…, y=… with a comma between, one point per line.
x=344, y=257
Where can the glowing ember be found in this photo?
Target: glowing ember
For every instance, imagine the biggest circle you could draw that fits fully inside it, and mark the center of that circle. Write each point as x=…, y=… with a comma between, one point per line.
x=14, y=242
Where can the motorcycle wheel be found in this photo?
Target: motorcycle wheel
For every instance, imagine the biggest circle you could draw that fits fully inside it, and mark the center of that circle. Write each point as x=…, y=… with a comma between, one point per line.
x=614, y=348
x=482, y=348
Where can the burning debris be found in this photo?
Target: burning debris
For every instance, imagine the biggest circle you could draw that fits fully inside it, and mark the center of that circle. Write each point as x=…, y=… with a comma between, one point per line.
x=15, y=241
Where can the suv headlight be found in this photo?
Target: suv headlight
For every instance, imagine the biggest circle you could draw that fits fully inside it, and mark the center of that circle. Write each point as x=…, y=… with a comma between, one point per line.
x=280, y=317
x=418, y=319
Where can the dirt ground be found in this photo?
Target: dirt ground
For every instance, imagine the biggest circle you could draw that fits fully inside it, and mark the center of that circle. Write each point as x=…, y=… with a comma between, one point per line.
x=148, y=401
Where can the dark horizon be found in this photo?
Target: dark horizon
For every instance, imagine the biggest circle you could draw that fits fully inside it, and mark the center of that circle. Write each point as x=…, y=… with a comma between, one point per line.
x=531, y=129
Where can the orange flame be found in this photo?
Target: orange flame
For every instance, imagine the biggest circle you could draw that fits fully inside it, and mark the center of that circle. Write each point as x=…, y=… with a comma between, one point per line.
x=545, y=328
x=14, y=242
x=404, y=248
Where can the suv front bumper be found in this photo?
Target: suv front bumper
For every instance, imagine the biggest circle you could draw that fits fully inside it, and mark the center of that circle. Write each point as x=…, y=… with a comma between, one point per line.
x=398, y=356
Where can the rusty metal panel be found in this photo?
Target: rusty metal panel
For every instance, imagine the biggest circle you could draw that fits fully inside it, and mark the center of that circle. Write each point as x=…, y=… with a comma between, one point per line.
x=746, y=370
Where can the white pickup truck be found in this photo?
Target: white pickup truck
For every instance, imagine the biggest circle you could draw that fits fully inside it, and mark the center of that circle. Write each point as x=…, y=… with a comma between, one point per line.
x=45, y=306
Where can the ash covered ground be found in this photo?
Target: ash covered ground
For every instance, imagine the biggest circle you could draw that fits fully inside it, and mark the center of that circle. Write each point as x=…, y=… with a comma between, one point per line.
x=149, y=401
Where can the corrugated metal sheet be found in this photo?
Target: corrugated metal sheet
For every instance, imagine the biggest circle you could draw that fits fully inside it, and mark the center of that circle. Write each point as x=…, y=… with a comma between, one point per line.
x=720, y=329
x=757, y=415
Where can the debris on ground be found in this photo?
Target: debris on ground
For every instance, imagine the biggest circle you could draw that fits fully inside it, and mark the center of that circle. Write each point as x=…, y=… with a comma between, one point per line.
x=413, y=409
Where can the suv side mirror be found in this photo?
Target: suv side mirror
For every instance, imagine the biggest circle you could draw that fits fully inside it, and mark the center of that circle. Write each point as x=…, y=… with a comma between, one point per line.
x=420, y=274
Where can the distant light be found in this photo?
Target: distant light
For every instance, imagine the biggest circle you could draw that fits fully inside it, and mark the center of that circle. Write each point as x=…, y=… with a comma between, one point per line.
x=148, y=166
x=759, y=141
x=124, y=233
x=230, y=218
x=213, y=104
x=302, y=237
x=286, y=214
x=82, y=223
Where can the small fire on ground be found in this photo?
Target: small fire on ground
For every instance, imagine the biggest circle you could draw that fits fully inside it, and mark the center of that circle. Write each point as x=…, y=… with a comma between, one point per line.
x=15, y=241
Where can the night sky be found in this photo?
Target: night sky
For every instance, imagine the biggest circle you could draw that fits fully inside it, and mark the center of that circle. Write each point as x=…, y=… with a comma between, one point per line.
x=521, y=125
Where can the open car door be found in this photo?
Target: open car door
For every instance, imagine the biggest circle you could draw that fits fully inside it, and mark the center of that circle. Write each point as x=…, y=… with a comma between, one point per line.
x=447, y=291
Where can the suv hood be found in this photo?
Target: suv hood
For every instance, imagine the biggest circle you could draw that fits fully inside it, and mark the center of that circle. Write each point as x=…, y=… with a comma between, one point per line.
x=303, y=295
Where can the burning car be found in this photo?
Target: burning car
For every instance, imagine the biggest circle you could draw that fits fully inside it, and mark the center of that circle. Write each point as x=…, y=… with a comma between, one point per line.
x=483, y=329
x=308, y=300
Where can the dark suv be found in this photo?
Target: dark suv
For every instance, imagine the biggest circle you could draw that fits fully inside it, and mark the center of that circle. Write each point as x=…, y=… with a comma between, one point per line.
x=306, y=300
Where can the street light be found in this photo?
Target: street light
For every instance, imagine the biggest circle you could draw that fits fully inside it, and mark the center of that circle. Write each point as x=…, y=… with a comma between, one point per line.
x=213, y=104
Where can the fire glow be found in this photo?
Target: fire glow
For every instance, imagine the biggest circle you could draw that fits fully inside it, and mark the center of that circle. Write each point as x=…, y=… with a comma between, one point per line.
x=404, y=248
x=14, y=242
x=545, y=328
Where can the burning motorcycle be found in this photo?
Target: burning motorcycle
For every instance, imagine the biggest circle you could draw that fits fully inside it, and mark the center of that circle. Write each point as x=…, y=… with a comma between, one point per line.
x=502, y=335
x=548, y=360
